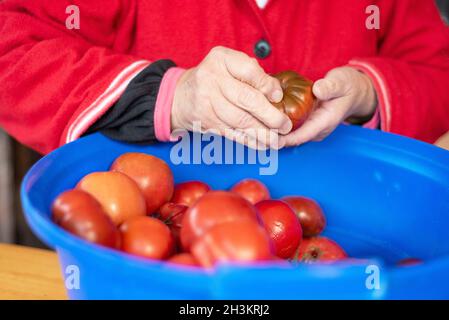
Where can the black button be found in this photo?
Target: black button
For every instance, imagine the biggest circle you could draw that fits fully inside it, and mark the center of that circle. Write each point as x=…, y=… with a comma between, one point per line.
x=262, y=49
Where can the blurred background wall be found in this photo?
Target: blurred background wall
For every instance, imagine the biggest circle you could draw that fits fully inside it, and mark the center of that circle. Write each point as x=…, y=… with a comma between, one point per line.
x=16, y=159
x=444, y=7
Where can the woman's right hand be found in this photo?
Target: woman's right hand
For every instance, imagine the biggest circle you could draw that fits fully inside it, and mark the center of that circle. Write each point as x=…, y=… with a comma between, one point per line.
x=230, y=93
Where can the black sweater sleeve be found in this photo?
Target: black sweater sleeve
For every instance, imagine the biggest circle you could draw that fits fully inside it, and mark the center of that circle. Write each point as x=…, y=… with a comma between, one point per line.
x=131, y=118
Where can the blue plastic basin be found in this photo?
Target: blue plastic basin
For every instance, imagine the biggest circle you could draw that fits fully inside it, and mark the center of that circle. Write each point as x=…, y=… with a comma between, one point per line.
x=386, y=198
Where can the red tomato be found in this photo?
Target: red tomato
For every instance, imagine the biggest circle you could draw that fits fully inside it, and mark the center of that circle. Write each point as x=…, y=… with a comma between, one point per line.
x=79, y=213
x=213, y=208
x=252, y=190
x=147, y=237
x=409, y=262
x=184, y=259
x=118, y=194
x=152, y=175
x=319, y=249
x=171, y=214
x=282, y=225
x=187, y=193
x=309, y=213
x=243, y=241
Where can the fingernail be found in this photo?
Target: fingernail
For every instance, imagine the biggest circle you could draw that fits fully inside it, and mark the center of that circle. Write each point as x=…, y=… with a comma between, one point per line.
x=286, y=128
x=276, y=96
x=318, y=88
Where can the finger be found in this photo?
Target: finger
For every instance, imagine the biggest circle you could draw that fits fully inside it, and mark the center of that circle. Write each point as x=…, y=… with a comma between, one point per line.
x=242, y=137
x=255, y=103
x=329, y=88
x=247, y=140
x=307, y=132
x=248, y=70
x=214, y=125
x=320, y=124
x=323, y=134
x=241, y=120
x=269, y=138
x=234, y=116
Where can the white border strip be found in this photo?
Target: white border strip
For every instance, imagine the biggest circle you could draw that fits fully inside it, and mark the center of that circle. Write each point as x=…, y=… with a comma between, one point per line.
x=104, y=101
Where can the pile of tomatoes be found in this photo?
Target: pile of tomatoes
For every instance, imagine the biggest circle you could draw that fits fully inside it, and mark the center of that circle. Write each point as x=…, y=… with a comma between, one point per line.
x=136, y=207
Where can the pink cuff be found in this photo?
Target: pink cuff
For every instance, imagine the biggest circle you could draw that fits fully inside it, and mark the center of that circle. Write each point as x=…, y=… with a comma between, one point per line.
x=374, y=122
x=383, y=112
x=164, y=101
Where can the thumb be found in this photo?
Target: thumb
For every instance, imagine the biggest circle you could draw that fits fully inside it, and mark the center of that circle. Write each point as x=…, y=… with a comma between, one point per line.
x=328, y=88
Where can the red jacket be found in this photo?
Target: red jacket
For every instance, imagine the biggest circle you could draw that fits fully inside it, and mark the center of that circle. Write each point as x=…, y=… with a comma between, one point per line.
x=56, y=82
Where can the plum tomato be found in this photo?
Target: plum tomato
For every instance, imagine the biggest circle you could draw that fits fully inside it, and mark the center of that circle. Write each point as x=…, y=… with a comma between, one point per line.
x=152, y=175
x=238, y=241
x=171, y=214
x=252, y=190
x=118, y=194
x=185, y=259
x=282, y=225
x=310, y=215
x=213, y=208
x=80, y=214
x=147, y=237
x=186, y=193
x=319, y=249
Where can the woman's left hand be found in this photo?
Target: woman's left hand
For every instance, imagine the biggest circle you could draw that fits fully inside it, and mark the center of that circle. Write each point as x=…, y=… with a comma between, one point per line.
x=344, y=92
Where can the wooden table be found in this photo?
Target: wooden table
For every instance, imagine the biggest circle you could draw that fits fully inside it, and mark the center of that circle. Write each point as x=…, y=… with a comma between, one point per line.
x=28, y=273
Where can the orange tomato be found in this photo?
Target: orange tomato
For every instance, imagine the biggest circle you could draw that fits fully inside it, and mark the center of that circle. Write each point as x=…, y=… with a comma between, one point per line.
x=153, y=176
x=118, y=194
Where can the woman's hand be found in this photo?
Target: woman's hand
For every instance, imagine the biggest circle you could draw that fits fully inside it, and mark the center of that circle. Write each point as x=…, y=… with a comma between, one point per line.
x=230, y=93
x=344, y=92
